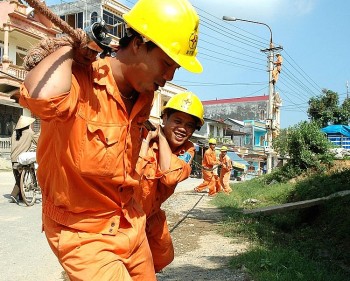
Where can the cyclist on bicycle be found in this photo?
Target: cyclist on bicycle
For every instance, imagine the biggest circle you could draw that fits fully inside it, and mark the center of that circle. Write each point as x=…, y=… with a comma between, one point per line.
x=23, y=139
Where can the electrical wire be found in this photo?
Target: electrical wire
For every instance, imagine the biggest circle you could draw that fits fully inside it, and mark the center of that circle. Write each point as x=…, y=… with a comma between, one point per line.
x=219, y=41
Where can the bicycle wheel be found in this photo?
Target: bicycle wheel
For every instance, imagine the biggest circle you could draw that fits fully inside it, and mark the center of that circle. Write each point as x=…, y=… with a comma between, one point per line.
x=28, y=188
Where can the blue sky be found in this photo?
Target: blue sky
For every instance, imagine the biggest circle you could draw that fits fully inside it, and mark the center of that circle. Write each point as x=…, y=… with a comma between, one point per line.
x=315, y=37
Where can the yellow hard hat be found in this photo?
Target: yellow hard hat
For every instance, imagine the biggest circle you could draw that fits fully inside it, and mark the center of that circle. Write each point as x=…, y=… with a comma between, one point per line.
x=223, y=148
x=212, y=141
x=172, y=25
x=189, y=103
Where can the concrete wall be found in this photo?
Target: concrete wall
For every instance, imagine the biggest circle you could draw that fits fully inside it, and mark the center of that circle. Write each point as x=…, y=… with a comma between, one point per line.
x=241, y=111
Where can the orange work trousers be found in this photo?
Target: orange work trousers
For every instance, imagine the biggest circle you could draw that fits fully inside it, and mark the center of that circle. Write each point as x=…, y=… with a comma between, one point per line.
x=225, y=181
x=211, y=182
x=125, y=256
x=159, y=240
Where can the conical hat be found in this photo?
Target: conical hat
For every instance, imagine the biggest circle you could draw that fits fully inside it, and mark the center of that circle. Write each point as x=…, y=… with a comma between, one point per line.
x=24, y=121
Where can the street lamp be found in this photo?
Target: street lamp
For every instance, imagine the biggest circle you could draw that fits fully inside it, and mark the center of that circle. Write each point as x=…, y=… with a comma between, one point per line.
x=226, y=18
x=270, y=118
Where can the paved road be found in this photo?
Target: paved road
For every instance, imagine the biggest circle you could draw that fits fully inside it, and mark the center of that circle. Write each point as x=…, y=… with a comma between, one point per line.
x=24, y=252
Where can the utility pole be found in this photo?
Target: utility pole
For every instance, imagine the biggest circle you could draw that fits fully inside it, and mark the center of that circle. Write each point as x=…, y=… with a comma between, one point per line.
x=270, y=122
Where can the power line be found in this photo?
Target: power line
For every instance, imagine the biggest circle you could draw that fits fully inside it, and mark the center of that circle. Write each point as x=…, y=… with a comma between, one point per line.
x=226, y=55
x=201, y=84
x=229, y=43
x=292, y=76
x=317, y=86
x=226, y=34
x=297, y=81
x=229, y=62
x=225, y=27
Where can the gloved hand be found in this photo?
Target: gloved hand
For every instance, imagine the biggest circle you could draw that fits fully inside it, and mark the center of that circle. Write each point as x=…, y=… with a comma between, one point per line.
x=85, y=50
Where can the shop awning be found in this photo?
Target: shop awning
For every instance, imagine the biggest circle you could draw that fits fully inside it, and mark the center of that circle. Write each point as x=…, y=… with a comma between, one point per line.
x=238, y=166
x=237, y=162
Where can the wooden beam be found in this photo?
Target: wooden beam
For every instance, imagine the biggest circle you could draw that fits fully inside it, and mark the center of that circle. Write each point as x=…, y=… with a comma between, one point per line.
x=295, y=205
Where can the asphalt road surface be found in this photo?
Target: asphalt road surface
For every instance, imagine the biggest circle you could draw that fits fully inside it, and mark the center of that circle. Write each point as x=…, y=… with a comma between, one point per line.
x=24, y=251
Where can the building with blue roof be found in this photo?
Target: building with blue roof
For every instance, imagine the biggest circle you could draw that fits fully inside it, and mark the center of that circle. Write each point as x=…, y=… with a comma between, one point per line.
x=339, y=135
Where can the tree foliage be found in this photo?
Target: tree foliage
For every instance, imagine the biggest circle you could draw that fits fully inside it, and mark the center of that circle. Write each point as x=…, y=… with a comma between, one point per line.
x=306, y=147
x=325, y=109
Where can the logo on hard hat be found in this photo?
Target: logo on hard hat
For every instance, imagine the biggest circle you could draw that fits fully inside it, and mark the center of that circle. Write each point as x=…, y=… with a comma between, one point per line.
x=192, y=43
x=186, y=104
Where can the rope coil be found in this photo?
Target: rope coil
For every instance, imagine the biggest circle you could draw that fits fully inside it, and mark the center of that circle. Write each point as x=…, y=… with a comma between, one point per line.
x=204, y=168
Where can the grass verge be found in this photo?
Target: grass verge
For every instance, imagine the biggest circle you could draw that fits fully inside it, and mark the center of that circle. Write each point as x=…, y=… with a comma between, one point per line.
x=311, y=244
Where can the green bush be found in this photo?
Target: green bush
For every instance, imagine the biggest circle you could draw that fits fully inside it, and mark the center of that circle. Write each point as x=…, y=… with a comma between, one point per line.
x=307, y=148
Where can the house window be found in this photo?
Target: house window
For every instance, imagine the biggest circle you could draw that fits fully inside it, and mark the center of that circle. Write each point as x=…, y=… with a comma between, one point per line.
x=112, y=19
x=262, y=140
x=20, y=54
x=93, y=17
x=211, y=130
x=262, y=114
x=247, y=140
x=74, y=20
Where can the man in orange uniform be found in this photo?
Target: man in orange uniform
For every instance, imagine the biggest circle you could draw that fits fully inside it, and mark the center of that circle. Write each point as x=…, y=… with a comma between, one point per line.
x=277, y=68
x=225, y=172
x=209, y=163
x=165, y=159
x=92, y=121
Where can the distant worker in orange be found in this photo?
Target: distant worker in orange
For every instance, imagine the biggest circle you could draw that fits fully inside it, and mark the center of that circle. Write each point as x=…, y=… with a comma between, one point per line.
x=165, y=158
x=216, y=172
x=225, y=172
x=209, y=163
x=277, y=68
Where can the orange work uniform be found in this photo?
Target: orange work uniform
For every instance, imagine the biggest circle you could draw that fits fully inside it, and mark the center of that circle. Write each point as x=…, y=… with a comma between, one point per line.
x=277, y=68
x=210, y=180
x=87, y=153
x=156, y=187
x=226, y=168
x=217, y=180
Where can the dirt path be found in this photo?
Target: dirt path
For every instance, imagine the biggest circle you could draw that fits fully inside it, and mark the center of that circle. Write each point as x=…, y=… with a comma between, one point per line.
x=200, y=252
